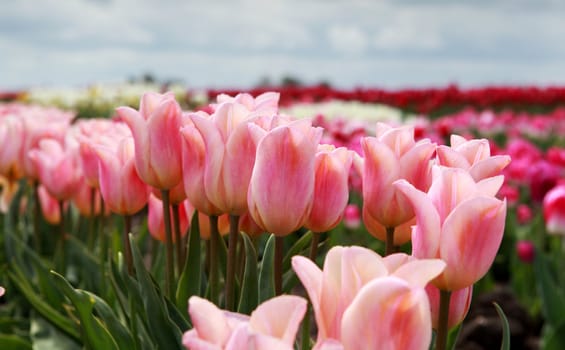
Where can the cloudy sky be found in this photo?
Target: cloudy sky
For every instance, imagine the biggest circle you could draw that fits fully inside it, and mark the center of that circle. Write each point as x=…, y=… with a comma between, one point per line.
x=213, y=43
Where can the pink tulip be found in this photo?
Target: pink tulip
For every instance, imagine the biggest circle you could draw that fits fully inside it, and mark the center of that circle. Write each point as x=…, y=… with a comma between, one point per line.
x=266, y=104
x=402, y=232
x=346, y=274
x=49, y=206
x=2, y=291
x=58, y=167
x=82, y=200
x=155, y=128
x=459, y=221
x=273, y=325
x=193, y=165
x=352, y=216
x=155, y=220
x=176, y=194
x=390, y=156
x=388, y=313
x=554, y=210
x=282, y=184
x=96, y=132
x=12, y=134
x=42, y=123
x=473, y=155
x=230, y=148
x=122, y=189
x=331, y=190
x=459, y=304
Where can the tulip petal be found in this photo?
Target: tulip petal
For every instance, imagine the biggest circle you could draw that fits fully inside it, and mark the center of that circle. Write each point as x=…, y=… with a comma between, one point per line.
x=209, y=322
x=425, y=236
x=470, y=238
x=279, y=317
x=387, y=314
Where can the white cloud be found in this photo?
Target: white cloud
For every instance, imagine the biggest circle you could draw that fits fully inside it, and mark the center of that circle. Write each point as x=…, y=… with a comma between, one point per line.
x=347, y=39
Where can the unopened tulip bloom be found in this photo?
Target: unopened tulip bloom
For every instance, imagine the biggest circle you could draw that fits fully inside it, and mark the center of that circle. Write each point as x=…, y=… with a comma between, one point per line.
x=459, y=221
x=348, y=273
x=352, y=216
x=122, y=189
x=155, y=128
x=97, y=132
x=459, y=304
x=391, y=155
x=282, y=184
x=82, y=200
x=230, y=149
x=554, y=210
x=58, y=167
x=331, y=190
x=473, y=155
x=273, y=325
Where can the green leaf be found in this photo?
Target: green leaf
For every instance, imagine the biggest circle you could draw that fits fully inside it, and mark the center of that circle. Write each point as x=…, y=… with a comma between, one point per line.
x=118, y=331
x=58, y=319
x=452, y=336
x=553, y=338
x=552, y=295
x=190, y=278
x=45, y=336
x=302, y=244
x=13, y=342
x=164, y=332
x=267, y=271
x=505, y=328
x=249, y=297
x=94, y=332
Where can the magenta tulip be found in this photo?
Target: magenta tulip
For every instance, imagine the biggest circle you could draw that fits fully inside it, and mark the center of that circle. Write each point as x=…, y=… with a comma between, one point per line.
x=554, y=210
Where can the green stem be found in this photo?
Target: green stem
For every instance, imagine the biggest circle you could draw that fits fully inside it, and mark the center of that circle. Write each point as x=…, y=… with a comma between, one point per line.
x=103, y=242
x=178, y=241
x=170, y=268
x=314, y=247
x=231, y=263
x=443, y=321
x=389, y=243
x=279, y=250
x=91, y=219
x=36, y=216
x=127, y=245
x=62, y=246
x=214, y=277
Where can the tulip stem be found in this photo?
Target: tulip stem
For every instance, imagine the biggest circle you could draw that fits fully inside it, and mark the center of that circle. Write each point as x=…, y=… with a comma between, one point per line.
x=103, y=242
x=62, y=258
x=169, y=266
x=127, y=245
x=443, y=321
x=231, y=263
x=279, y=250
x=314, y=246
x=178, y=245
x=36, y=216
x=91, y=219
x=214, y=278
x=389, y=243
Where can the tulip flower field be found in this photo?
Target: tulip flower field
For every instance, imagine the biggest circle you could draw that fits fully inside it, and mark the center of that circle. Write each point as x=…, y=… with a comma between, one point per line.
x=288, y=218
